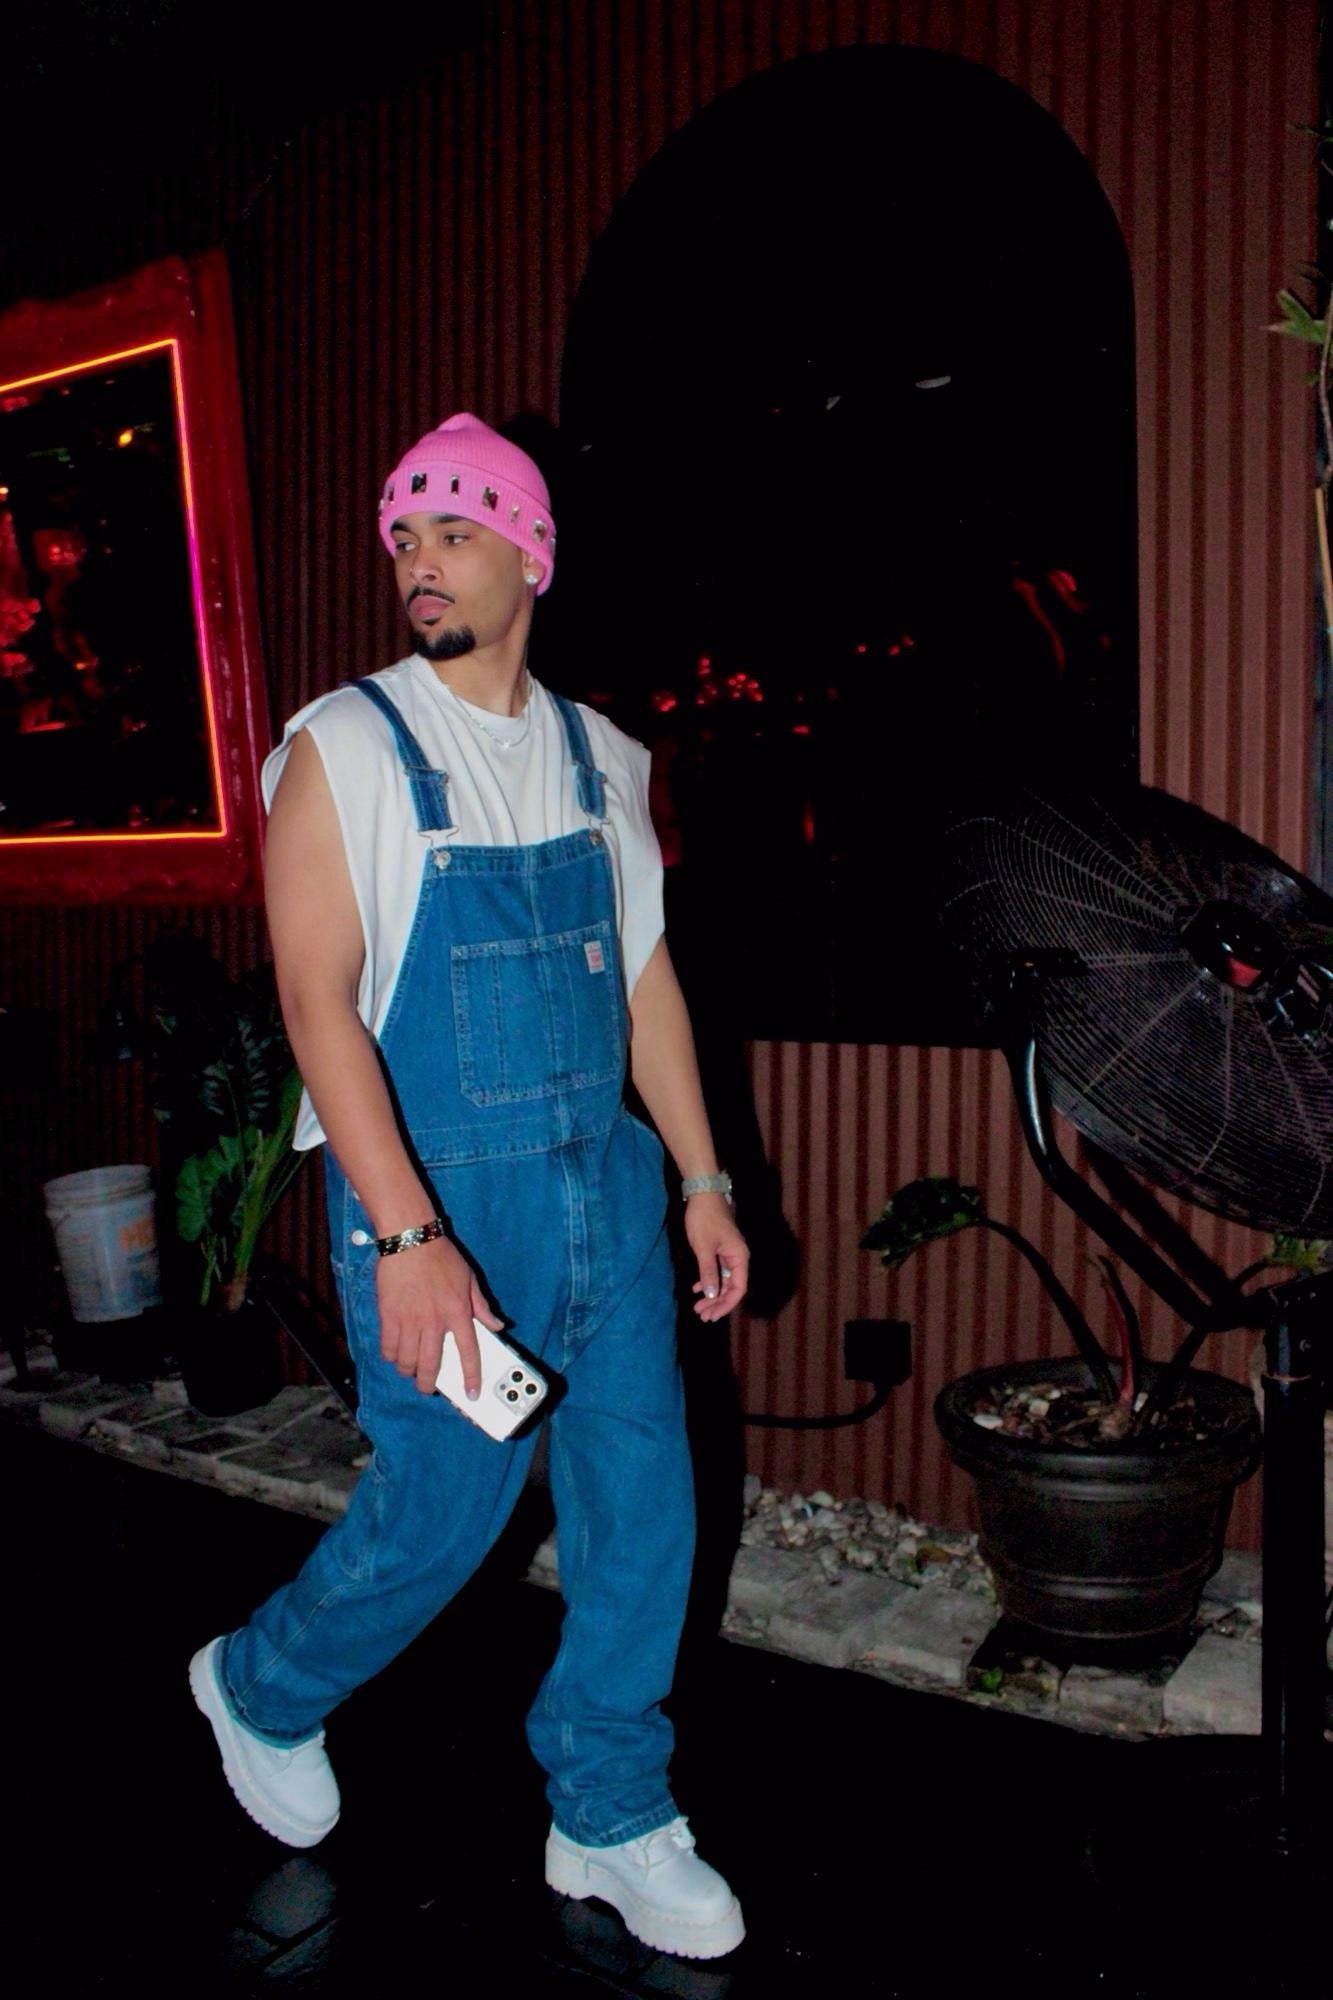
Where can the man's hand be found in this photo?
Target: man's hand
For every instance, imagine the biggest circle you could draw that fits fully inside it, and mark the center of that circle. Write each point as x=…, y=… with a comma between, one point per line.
x=722, y=1253
x=423, y=1294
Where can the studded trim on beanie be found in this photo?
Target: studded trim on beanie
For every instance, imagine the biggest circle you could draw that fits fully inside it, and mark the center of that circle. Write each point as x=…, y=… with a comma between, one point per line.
x=466, y=468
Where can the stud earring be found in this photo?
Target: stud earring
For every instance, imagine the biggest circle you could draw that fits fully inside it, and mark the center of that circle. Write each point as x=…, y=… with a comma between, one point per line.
x=528, y=577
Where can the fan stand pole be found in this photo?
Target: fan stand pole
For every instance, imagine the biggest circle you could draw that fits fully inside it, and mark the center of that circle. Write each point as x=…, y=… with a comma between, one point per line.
x=1296, y=1318
x=1294, y=1667
x=306, y=1333
x=1034, y=1116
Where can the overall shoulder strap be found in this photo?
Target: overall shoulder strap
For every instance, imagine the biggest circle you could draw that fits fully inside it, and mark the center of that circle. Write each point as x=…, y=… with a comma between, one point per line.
x=591, y=783
x=429, y=799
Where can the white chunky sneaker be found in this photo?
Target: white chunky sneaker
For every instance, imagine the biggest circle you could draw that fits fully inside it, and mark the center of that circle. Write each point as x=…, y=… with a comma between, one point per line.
x=292, y=1793
x=666, y=1895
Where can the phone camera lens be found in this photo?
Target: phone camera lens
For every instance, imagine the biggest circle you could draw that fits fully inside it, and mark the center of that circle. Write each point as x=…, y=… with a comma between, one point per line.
x=516, y=1375
x=511, y=1395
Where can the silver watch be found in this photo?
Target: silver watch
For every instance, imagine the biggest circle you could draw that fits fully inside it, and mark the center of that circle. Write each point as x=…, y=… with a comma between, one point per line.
x=706, y=1184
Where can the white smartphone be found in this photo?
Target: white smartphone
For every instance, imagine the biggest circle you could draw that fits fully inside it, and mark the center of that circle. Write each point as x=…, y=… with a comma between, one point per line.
x=512, y=1389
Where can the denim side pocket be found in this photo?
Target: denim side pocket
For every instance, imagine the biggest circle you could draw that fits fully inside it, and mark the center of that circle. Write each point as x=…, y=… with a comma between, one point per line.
x=354, y=1279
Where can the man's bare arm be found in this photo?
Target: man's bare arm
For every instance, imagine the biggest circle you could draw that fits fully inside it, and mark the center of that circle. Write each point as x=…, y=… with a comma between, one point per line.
x=666, y=1076
x=318, y=953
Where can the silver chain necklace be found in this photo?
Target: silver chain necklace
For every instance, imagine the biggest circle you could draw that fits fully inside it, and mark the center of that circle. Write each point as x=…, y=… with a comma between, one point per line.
x=504, y=742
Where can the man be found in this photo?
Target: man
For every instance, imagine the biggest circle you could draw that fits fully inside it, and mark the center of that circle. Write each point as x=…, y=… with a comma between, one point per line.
x=464, y=897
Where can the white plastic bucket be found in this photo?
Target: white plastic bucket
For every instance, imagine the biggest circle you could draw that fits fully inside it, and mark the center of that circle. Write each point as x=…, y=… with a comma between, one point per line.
x=106, y=1239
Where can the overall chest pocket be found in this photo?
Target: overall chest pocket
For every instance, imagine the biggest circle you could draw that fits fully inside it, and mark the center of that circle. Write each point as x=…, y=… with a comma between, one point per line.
x=538, y=1016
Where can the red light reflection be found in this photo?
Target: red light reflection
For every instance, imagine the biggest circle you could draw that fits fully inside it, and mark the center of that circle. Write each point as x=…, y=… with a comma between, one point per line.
x=13, y=398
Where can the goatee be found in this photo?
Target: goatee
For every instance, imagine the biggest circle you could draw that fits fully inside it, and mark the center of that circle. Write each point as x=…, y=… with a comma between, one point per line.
x=450, y=644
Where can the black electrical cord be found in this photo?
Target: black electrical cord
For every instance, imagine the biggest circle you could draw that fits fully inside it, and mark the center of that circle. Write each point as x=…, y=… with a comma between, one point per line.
x=857, y=1416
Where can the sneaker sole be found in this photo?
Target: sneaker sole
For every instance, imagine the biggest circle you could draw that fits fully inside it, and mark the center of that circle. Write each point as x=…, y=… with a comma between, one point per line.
x=209, y=1702
x=582, y=1879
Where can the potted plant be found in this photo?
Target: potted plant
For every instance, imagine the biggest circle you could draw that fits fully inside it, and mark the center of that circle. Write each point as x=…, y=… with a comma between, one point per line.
x=225, y=1093
x=1104, y=1481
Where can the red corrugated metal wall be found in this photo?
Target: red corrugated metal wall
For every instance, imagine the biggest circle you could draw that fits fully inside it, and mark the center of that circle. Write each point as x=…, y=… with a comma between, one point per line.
x=419, y=252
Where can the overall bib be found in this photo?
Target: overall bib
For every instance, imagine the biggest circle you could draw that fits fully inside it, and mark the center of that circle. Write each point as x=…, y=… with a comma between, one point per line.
x=505, y=1044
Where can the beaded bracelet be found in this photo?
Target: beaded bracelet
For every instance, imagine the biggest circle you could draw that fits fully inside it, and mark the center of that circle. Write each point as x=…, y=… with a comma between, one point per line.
x=408, y=1239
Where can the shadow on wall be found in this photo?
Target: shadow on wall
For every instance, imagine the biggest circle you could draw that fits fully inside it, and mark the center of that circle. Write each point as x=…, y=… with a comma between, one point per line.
x=697, y=931
x=847, y=506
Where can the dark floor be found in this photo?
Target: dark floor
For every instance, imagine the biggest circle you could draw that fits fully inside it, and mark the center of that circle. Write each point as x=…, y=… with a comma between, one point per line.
x=882, y=1842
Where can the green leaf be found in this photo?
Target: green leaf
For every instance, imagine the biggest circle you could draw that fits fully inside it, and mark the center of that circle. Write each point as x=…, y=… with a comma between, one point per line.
x=1300, y=1253
x=220, y=1052
x=208, y=1188
x=921, y=1212
x=272, y=1165
x=1298, y=321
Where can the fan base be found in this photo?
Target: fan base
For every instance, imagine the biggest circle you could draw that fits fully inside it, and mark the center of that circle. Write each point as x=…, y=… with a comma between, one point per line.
x=1221, y=1839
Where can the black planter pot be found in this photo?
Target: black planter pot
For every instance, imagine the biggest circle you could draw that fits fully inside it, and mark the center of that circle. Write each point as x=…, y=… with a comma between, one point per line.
x=230, y=1361
x=1101, y=1556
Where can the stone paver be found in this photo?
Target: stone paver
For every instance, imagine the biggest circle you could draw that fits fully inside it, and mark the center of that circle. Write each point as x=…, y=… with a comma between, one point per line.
x=261, y=1472
x=933, y=1632
x=334, y=1487
x=44, y=1380
x=1239, y=1580
x=767, y=1582
x=290, y=1406
x=834, y=1624
x=72, y=1412
x=186, y=1430
x=118, y=1424
x=287, y=1467
x=545, y=1568
x=1216, y=1689
x=322, y=1434
x=1126, y=1701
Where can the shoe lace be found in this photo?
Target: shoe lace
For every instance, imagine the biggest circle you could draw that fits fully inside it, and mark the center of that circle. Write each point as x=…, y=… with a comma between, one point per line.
x=666, y=1842
x=289, y=1757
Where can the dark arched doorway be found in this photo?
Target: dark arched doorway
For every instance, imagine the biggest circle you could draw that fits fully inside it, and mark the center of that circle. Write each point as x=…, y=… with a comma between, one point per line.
x=848, y=509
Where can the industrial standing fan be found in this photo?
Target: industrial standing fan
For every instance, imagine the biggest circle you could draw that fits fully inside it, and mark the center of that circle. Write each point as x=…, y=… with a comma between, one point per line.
x=1167, y=984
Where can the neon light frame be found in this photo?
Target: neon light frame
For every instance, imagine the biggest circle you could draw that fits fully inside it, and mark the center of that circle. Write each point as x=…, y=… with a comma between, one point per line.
x=184, y=308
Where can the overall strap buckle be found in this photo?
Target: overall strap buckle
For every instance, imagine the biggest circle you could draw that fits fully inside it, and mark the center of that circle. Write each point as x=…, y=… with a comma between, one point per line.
x=428, y=786
x=591, y=782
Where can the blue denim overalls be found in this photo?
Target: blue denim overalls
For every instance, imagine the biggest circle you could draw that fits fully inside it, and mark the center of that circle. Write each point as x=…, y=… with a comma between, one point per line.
x=505, y=1042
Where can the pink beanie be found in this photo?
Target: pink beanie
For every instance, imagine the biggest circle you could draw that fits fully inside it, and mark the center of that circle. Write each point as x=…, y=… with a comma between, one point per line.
x=468, y=469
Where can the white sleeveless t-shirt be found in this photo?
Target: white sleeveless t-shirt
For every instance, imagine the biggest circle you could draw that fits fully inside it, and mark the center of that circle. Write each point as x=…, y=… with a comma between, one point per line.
x=511, y=782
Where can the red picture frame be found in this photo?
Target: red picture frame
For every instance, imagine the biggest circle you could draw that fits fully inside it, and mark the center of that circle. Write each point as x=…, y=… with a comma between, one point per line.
x=129, y=760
